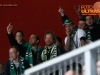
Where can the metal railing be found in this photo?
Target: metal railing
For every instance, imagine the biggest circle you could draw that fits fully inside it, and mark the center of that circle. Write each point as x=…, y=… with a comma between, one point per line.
x=86, y=56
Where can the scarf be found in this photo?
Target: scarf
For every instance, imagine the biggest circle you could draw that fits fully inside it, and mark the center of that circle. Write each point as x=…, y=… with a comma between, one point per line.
x=88, y=34
x=29, y=55
x=72, y=36
x=53, y=53
x=21, y=66
x=25, y=44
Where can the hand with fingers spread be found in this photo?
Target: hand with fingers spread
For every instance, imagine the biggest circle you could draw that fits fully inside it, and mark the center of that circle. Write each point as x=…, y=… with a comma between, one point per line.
x=77, y=9
x=9, y=28
x=61, y=11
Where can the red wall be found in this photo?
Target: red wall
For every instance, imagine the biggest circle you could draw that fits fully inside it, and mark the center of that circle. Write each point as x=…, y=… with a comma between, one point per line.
x=35, y=16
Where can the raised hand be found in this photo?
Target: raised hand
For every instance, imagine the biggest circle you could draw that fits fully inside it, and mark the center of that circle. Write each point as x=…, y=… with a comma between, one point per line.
x=61, y=11
x=77, y=9
x=9, y=28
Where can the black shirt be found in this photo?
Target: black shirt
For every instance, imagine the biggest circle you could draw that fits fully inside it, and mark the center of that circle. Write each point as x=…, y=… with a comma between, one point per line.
x=36, y=57
x=95, y=32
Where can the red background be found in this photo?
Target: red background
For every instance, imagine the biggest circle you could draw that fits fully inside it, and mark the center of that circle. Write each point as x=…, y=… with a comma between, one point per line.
x=35, y=16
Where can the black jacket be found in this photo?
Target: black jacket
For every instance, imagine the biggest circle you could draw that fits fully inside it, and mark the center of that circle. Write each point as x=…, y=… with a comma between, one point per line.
x=60, y=51
x=13, y=42
x=95, y=32
x=7, y=67
x=23, y=49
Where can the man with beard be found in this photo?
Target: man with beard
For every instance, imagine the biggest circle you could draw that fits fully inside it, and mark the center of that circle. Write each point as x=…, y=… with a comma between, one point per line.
x=32, y=53
x=51, y=50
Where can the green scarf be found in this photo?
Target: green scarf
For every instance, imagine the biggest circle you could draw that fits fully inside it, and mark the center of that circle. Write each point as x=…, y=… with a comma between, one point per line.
x=88, y=33
x=29, y=55
x=21, y=66
x=72, y=35
x=25, y=44
x=53, y=53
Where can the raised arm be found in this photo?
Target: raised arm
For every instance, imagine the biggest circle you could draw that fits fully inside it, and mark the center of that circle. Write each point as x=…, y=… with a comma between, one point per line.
x=63, y=16
x=11, y=37
x=13, y=41
x=78, y=11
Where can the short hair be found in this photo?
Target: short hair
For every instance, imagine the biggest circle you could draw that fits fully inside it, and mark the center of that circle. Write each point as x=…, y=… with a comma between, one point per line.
x=19, y=32
x=59, y=39
x=82, y=19
x=16, y=48
x=52, y=33
x=74, y=67
x=89, y=15
x=37, y=38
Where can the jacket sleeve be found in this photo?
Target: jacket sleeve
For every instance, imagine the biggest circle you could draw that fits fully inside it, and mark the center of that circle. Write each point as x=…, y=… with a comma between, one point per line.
x=12, y=40
x=7, y=69
x=64, y=18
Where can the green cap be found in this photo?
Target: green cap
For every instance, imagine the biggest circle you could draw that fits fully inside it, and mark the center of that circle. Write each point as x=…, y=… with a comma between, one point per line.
x=68, y=21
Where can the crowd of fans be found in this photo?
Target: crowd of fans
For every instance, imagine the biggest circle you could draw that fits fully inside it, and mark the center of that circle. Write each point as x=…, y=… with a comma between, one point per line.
x=23, y=55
